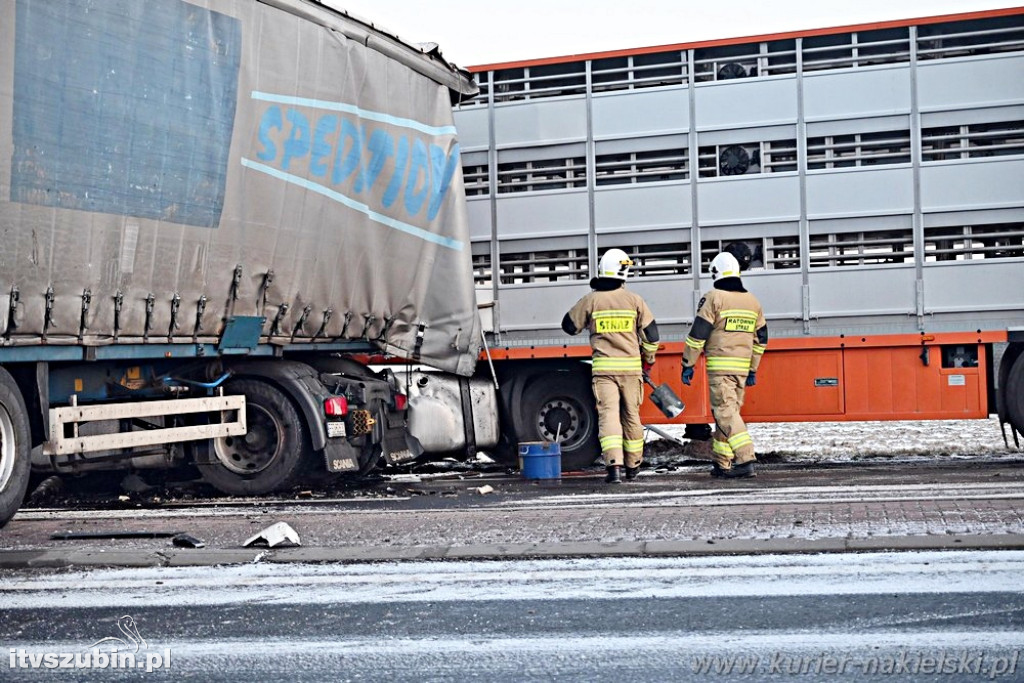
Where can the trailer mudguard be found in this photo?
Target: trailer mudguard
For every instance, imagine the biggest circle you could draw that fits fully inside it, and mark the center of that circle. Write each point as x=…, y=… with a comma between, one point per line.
x=300, y=381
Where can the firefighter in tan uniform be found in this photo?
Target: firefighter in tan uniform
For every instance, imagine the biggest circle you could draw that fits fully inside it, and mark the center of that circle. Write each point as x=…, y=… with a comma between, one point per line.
x=623, y=340
x=731, y=331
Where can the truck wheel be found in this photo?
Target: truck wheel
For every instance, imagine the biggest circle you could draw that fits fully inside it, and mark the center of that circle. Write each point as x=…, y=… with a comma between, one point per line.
x=274, y=453
x=14, y=447
x=566, y=399
x=1013, y=397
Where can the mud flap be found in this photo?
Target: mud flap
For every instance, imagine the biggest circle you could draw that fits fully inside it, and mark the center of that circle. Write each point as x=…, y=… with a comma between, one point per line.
x=393, y=443
x=341, y=456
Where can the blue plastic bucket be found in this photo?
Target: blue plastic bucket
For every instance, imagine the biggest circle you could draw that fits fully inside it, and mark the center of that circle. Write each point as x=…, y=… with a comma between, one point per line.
x=540, y=460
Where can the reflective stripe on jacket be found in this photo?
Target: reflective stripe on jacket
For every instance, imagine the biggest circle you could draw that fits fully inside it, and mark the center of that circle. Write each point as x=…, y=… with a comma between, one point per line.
x=616, y=321
x=731, y=346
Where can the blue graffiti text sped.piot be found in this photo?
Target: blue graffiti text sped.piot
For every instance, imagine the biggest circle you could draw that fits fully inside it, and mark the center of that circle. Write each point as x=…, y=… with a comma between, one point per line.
x=359, y=159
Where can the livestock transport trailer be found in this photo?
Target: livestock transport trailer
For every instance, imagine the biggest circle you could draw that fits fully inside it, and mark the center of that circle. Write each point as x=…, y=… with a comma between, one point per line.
x=875, y=174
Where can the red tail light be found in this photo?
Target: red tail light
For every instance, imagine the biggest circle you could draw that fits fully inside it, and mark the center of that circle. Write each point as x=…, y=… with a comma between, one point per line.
x=336, y=406
x=401, y=401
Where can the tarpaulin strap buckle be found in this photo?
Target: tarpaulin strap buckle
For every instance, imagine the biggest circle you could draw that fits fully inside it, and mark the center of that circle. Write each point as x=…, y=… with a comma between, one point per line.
x=387, y=328
x=322, y=332
x=175, y=307
x=366, y=328
x=236, y=284
x=420, y=333
x=12, y=311
x=200, y=309
x=261, y=298
x=150, y=300
x=282, y=310
x=300, y=323
x=118, y=304
x=48, y=316
x=83, y=323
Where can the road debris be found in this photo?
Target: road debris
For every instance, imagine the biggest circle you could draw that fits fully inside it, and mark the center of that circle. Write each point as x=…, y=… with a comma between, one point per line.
x=48, y=488
x=275, y=535
x=187, y=541
x=78, y=535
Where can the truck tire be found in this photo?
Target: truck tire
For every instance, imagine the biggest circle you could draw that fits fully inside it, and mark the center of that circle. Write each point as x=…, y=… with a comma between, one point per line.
x=15, y=466
x=564, y=398
x=273, y=455
x=1013, y=398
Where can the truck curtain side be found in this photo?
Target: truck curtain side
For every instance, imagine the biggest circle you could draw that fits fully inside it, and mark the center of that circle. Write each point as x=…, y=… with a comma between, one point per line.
x=871, y=173
x=205, y=208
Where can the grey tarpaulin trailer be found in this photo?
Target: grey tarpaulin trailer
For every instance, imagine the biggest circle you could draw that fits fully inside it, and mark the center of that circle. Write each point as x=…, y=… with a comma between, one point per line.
x=270, y=159
x=221, y=197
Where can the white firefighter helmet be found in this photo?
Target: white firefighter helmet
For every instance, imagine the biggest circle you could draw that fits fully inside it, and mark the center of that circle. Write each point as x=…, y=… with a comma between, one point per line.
x=724, y=265
x=615, y=264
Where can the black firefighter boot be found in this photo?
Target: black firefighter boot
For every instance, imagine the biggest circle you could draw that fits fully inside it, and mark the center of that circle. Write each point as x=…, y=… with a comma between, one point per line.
x=613, y=475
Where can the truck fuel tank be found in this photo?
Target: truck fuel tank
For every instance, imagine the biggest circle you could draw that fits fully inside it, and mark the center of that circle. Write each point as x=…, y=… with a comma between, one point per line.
x=450, y=413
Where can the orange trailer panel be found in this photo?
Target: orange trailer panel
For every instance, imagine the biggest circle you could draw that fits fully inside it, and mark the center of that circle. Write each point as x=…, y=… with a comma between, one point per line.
x=799, y=382
x=880, y=377
x=896, y=384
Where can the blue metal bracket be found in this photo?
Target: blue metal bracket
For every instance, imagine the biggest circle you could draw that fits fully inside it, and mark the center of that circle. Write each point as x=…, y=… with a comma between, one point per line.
x=241, y=334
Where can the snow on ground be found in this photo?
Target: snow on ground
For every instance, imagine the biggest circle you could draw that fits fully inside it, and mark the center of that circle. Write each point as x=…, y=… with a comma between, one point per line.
x=822, y=443
x=827, y=574
x=849, y=441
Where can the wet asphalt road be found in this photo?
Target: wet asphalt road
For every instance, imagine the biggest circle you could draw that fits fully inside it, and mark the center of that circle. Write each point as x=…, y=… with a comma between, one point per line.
x=608, y=619
x=852, y=502
x=623, y=613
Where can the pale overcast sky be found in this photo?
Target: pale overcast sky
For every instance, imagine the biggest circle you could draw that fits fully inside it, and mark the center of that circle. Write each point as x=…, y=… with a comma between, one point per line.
x=477, y=32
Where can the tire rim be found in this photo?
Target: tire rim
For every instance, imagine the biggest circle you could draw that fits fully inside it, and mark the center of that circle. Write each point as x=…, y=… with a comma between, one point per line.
x=8, y=448
x=570, y=414
x=255, y=450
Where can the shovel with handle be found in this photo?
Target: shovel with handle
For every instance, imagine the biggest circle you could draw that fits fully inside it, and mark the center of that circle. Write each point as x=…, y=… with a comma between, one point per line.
x=665, y=399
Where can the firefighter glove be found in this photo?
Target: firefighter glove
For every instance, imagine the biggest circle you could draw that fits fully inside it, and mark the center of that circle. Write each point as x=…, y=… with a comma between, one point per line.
x=687, y=375
x=751, y=379
x=647, y=367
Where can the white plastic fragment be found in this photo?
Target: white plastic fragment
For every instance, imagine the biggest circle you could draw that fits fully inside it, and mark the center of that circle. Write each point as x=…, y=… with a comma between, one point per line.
x=275, y=535
x=485, y=489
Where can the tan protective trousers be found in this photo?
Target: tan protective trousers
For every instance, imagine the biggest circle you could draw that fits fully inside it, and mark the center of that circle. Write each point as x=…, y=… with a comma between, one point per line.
x=618, y=418
x=731, y=443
